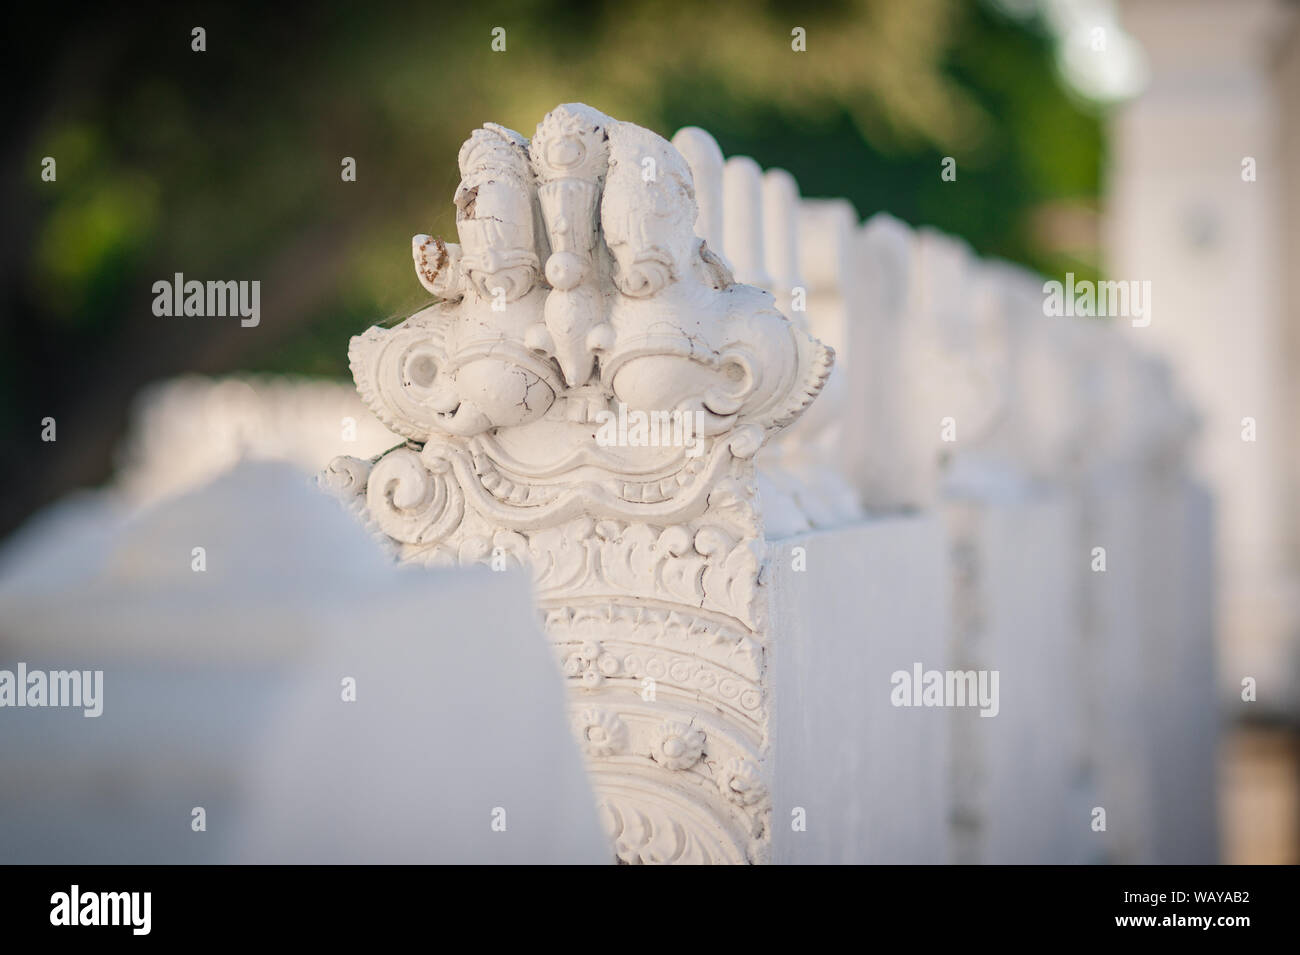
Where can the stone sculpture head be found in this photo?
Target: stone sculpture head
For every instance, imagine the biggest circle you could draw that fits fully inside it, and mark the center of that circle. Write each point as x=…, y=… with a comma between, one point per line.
x=578, y=288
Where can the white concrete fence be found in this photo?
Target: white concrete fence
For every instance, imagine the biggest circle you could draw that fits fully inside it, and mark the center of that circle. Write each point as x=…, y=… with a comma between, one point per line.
x=1025, y=508
x=981, y=489
x=949, y=603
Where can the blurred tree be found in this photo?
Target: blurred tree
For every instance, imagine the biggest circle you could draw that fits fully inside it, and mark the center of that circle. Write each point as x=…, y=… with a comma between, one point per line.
x=226, y=163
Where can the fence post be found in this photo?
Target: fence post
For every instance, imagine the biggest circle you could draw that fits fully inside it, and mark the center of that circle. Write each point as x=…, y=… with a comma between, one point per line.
x=576, y=315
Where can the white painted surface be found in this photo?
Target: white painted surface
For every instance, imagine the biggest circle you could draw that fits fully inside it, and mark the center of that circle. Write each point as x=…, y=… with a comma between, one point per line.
x=222, y=689
x=869, y=775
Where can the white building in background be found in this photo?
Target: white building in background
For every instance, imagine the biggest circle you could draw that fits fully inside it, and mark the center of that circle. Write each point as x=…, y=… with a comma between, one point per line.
x=1203, y=201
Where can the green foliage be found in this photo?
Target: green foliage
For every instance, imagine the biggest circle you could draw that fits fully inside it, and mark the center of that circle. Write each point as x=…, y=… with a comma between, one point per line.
x=225, y=164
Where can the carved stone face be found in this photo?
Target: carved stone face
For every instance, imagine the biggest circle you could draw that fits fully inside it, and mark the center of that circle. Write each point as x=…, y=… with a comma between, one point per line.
x=579, y=288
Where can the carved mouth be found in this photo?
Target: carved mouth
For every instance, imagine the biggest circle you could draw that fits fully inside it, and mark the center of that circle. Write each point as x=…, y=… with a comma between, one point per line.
x=512, y=482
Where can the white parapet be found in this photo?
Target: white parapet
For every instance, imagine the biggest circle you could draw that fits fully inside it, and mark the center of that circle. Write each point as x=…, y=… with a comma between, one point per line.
x=858, y=778
x=596, y=397
x=271, y=688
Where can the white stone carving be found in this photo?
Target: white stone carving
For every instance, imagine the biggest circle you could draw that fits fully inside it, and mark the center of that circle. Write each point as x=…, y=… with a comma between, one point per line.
x=579, y=292
x=592, y=293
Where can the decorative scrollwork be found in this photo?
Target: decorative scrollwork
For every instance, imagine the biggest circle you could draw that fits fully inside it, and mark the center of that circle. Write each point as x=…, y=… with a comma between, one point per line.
x=411, y=503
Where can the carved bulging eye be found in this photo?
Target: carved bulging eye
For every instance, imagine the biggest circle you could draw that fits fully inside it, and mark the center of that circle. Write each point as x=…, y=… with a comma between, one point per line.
x=506, y=393
x=421, y=369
